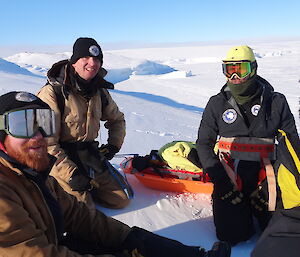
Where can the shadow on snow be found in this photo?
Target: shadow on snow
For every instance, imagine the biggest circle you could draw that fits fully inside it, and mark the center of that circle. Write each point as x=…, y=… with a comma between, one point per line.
x=160, y=99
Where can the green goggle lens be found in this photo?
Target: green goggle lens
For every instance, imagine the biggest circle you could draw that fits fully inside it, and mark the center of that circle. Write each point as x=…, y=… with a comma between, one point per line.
x=241, y=69
x=25, y=123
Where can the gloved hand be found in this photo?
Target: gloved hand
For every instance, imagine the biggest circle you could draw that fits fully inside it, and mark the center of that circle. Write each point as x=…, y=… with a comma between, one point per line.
x=219, y=249
x=80, y=182
x=260, y=197
x=141, y=162
x=227, y=191
x=126, y=253
x=108, y=151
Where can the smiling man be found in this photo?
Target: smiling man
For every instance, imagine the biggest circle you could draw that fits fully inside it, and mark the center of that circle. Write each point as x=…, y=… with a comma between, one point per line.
x=77, y=92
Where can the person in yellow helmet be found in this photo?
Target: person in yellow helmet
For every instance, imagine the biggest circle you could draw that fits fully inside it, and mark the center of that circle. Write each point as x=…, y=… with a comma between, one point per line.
x=245, y=117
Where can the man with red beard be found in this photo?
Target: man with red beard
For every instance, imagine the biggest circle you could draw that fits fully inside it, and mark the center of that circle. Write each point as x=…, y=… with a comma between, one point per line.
x=38, y=218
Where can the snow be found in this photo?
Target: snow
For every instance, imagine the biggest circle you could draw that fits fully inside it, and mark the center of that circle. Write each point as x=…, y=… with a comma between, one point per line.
x=163, y=92
x=37, y=63
x=9, y=67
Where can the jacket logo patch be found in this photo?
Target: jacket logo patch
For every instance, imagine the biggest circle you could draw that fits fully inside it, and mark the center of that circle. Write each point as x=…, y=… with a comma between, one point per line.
x=25, y=97
x=229, y=116
x=255, y=109
x=94, y=50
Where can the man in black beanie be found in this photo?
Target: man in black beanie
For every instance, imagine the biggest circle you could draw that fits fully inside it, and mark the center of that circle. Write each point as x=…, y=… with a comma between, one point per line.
x=77, y=92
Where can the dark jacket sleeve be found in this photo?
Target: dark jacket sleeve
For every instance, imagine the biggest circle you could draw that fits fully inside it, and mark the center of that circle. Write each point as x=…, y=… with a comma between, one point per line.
x=281, y=237
x=287, y=121
x=207, y=137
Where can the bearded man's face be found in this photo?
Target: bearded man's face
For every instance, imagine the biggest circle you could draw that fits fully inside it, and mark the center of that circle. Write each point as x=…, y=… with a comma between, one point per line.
x=31, y=152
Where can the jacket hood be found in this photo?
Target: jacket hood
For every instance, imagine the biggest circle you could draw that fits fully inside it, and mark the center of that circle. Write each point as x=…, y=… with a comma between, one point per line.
x=57, y=73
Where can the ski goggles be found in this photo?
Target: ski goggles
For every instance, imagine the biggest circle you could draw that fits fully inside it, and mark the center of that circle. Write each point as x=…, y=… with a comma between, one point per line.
x=242, y=69
x=25, y=123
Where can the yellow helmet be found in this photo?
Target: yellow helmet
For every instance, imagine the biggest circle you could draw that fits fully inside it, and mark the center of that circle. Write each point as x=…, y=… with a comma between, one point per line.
x=240, y=53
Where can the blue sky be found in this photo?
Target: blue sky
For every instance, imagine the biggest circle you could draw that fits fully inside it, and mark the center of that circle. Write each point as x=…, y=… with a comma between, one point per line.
x=48, y=22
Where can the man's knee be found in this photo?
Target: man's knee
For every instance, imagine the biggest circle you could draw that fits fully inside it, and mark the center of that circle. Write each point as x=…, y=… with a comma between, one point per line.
x=118, y=200
x=113, y=200
x=234, y=223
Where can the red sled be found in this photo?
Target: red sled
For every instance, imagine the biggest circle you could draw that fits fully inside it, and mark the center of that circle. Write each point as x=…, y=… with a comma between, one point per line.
x=170, y=180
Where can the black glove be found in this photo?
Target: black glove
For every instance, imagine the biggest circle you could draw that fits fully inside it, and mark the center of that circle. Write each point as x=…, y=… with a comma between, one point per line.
x=219, y=249
x=80, y=182
x=141, y=162
x=126, y=253
x=194, y=158
x=108, y=151
x=227, y=191
x=260, y=197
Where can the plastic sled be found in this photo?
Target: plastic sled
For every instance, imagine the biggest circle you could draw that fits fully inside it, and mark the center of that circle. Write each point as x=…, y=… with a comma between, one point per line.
x=165, y=180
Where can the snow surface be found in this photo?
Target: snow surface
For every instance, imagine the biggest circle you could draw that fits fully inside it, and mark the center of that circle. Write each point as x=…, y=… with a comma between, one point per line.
x=163, y=92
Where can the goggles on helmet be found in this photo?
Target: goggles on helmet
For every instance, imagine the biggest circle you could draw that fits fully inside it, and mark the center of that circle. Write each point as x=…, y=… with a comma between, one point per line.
x=242, y=68
x=25, y=123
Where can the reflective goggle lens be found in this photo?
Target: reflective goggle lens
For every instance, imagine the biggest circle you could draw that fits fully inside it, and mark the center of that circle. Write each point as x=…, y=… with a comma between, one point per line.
x=241, y=69
x=25, y=123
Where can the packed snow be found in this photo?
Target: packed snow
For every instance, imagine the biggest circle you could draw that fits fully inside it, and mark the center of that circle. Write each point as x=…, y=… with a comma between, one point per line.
x=163, y=92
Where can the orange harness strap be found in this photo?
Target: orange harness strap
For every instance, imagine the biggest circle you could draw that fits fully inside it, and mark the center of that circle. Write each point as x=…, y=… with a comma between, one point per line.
x=228, y=146
x=240, y=147
x=271, y=184
x=230, y=172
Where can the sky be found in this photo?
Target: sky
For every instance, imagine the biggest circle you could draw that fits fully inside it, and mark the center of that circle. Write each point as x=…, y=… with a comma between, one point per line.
x=60, y=22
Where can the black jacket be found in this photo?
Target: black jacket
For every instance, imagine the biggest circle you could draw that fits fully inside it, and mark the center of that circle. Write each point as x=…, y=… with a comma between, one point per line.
x=281, y=237
x=222, y=117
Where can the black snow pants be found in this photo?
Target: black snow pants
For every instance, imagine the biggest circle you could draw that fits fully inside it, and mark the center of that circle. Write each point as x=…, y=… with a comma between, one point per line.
x=234, y=223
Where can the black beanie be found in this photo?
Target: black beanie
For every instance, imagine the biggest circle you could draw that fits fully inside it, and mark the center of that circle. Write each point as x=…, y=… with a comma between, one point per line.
x=85, y=46
x=19, y=100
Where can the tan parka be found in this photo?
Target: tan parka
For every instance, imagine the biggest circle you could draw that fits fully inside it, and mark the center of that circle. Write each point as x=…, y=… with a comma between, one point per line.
x=81, y=119
x=27, y=227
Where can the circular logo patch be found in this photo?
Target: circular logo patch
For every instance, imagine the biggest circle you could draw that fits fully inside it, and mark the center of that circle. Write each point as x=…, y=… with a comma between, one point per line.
x=25, y=97
x=94, y=50
x=255, y=109
x=229, y=116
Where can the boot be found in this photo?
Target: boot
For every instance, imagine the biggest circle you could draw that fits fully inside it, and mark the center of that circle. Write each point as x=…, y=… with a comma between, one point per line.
x=219, y=249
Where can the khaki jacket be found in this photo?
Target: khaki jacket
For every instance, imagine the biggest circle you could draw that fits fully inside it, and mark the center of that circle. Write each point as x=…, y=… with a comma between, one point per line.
x=80, y=121
x=27, y=227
